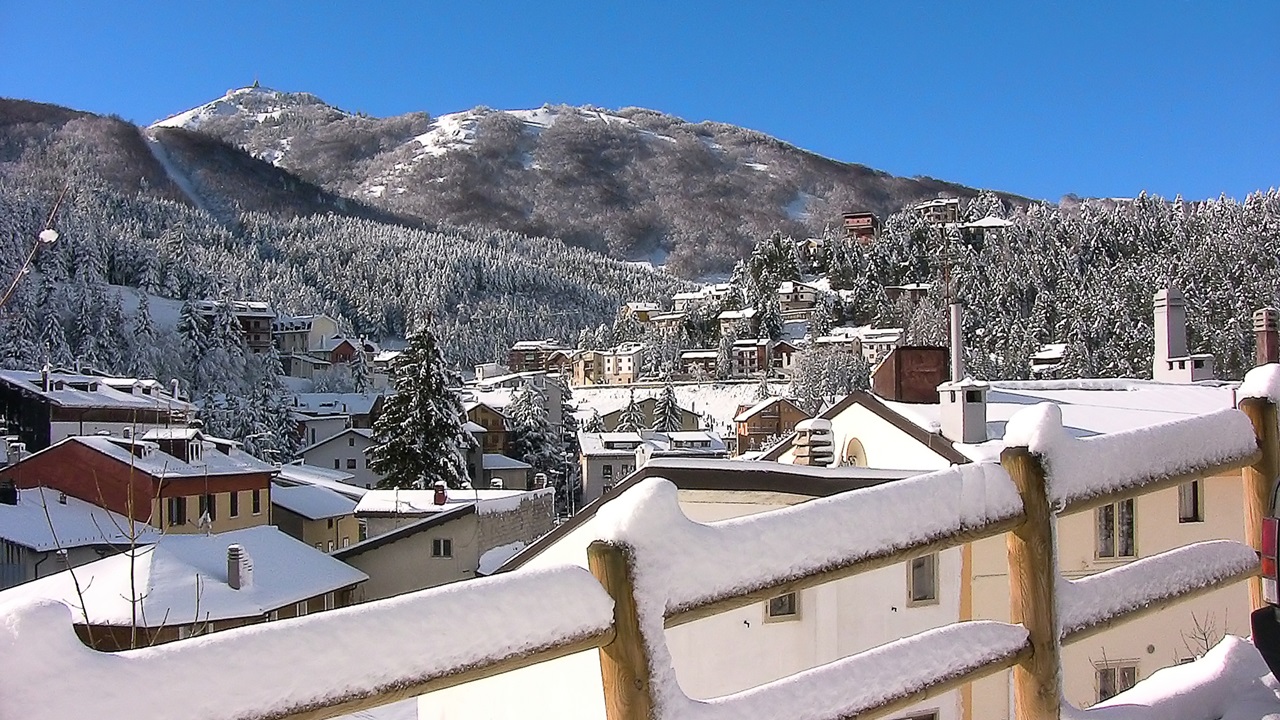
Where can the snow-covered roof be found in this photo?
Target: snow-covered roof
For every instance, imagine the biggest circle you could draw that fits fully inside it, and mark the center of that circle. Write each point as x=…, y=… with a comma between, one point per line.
x=336, y=480
x=185, y=433
x=89, y=391
x=548, y=344
x=790, y=287
x=238, y=307
x=76, y=523
x=335, y=403
x=157, y=464
x=495, y=461
x=423, y=502
x=989, y=222
x=624, y=444
x=751, y=411
x=744, y=314
x=493, y=558
x=473, y=427
x=1089, y=406
x=365, y=433
x=1050, y=352
x=699, y=355
x=387, y=356
x=182, y=579
x=312, y=501
x=643, y=306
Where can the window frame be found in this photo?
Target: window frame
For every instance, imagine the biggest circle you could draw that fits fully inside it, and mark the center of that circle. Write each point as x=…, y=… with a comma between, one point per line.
x=772, y=617
x=1117, y=669
x=235, y=504
x=1191, y=509
x=1115, y=551
x=178, y=502
x=442, y=548
x=257, y=501
x=932, y=599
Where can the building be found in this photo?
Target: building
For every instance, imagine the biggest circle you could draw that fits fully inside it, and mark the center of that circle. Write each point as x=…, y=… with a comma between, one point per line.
x=531, y=355
x=622, y=364
x=318, y=516
x=877, y=343
x=45, y=407
x=740, y=648
x=44, y=531
x=641, y=311
x=559, y=362
x=861, y=225
x=343, y=483
x=256, y=320
x=494, y=424
x=770, y=419
x=608, y=458
x=743, y=322
x=913, y=292
x=346, y=451
x=505, y=473
x=588, y=368
x=423, y=543
x=297, y=335
x=1048, y=360
x=178, y=480
x=190, y=585
x=796, y=298
x=315, y=427
x=668, y=320
x=941, y=211
x=360, y=410
x=699, y=363
x=782, y=357
x=750, y=358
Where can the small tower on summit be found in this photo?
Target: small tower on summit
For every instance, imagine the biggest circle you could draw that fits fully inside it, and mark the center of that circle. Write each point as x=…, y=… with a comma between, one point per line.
x=255, y=84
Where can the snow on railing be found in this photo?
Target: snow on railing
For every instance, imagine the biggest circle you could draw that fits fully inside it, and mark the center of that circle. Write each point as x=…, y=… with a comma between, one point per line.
x=654, y=568
x=319, y=665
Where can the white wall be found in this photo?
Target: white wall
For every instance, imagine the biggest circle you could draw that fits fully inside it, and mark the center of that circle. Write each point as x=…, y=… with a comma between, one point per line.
x=350, y=446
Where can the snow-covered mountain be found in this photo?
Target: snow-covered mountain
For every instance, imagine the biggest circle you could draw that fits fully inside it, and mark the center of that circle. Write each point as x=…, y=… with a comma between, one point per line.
x=633, y=183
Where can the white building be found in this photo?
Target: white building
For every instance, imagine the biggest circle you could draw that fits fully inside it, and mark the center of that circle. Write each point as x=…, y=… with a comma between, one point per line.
x=344, y=451
x=622, y=363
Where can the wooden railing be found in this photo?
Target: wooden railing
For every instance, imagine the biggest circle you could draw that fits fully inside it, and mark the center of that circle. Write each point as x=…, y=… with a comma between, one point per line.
x=624, y=610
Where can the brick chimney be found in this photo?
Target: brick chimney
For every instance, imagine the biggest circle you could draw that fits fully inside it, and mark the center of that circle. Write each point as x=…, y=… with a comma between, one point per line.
x=1266, y=335
x=441, y=494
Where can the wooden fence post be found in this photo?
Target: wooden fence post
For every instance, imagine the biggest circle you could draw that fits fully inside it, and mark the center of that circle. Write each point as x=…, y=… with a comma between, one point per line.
x=1033, y=575
x=624, y=662
x=1259, y=478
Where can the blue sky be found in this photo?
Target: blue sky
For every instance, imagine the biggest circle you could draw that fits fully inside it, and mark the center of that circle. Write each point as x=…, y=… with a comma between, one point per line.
x=1038, y=98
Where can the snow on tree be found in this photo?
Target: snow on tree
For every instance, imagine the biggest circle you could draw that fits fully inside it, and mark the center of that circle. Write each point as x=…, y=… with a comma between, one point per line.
x=360, y=377
x=667, y=416
x=763, y=392
x=533, y=440
x=632, y=417
x=419, y=438
x=142, y=364
x=594, y=424
x=825, y=374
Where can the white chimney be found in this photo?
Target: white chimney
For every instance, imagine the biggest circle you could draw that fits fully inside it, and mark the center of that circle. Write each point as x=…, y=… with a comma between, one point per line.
x=964, y=410
x=1170, y=360
x=814, y=443
x=239, y=568
x=957, y=341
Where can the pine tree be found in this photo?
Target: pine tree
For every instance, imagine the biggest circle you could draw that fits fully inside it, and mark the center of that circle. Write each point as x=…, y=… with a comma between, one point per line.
x=594, y=424
x=763, y=391
x=360, y=379
x=143, y=361
x=632, y=417
x=533, y=440
x=667, y=416
x=419, y=438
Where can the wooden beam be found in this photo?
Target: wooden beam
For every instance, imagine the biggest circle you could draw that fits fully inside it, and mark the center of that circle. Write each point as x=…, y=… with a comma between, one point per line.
x=412, y=688
x=875, y=561
x=1153, y=607
x=900, y=703
x=1259, y=479
x=1157, y=483
x=624, y=662
x=1033, y=574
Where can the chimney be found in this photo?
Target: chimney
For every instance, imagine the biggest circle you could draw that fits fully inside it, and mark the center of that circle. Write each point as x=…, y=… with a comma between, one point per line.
x=957, y=341
x=62, y=498
x=442, y=493
x=964, y=410
x=1171, y=362
x=126, y=433
x=1267, y=336
x=8, y=493
x=813, y=444
x=44, y=377
x=239, y=568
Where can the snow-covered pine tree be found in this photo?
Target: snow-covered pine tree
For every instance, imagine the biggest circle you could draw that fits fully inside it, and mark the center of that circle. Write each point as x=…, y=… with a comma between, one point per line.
x=632, y=417
x=763, y=392
x=361, y=380
x=419, y=438
x=666, y=411
x=594, y=424
x=142, y=363
x=533, y=440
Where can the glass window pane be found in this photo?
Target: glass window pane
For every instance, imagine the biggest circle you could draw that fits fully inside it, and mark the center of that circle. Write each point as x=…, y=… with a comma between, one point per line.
x=1126, y=530
x=1106, y=531
x=1106, y=683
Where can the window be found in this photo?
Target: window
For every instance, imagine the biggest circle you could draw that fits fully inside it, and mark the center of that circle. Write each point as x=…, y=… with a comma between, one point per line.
x=351, y=463
x=329, y=546
x=209, y=506
x=783, y=607
x=328, y=601
x=608, y=473
x=346, y=541
x=1115, y=530
x=300, y=609
x=927, y=715
x=330, y=523
x=337, y=464
x=257, y=502
x=177, y=511
x=922, y=580
x=1190, y=502
x=235, y=504
x=972, y=396
x=442, y=548
x=1115, y=679
x=351, y=442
